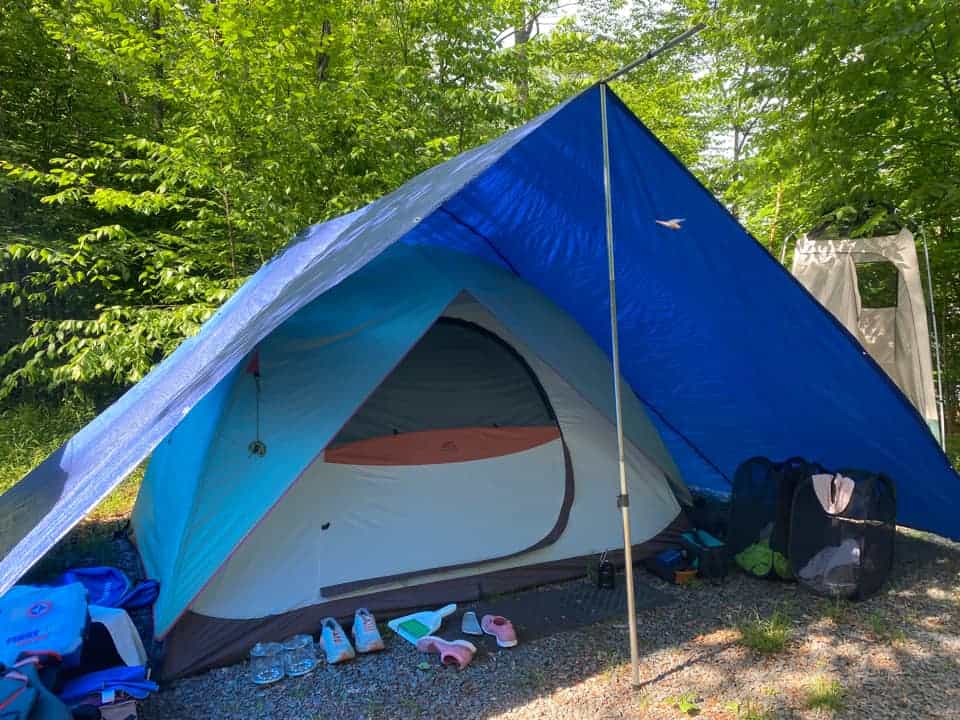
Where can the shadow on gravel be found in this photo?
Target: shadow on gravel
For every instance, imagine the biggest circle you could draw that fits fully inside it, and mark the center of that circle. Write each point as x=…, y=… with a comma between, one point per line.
x=894, y=655
x=103, y=541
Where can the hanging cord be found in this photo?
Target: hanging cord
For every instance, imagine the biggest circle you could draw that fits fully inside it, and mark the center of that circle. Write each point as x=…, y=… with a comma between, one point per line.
x=668, y=45
x=650, y=54
x=257, y=447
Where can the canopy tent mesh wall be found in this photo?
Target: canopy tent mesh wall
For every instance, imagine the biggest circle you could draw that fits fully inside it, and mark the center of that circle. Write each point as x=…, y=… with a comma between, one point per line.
x=873, y=287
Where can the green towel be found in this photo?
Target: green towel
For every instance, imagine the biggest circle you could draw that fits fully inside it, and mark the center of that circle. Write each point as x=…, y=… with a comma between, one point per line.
x=758, y=559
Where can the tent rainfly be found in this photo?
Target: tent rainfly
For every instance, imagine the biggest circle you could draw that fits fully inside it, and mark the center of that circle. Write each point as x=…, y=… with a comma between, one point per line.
x=873, y=287
x=481, y=289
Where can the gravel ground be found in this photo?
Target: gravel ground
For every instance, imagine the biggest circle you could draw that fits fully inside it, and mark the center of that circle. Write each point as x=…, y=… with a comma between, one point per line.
x=896, y=655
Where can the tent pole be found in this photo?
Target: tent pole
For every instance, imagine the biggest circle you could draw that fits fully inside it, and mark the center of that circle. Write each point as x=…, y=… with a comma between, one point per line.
x=936, y=343
x=623, y=500
x=786, y=243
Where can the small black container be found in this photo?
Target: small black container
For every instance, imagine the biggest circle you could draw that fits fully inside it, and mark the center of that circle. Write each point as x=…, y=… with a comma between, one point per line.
x=606, y=574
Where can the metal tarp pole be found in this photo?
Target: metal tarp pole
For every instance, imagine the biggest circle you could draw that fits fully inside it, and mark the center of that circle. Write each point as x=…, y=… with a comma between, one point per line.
x=786, y=243
x=649, y=55
x=624, y=499
x=936, y=345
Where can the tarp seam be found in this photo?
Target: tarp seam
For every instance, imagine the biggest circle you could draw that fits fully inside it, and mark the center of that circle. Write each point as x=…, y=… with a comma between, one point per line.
x=470, y=228
x=683, y=437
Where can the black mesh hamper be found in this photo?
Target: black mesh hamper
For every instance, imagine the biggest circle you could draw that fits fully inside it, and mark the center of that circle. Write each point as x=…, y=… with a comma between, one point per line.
x=760, y=513
x=842, y=532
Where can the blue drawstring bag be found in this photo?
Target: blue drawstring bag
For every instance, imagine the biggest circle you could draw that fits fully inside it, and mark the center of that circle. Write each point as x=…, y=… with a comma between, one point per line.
x=106, y=586
x=110, y=587
x=143, y=594
x=131, y=680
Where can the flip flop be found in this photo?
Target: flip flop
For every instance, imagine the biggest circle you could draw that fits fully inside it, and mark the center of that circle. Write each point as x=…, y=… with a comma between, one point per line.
x=469, y=625
x=501, y=628
x=452, y=652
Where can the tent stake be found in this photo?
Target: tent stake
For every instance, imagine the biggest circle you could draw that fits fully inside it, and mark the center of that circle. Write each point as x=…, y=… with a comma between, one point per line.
x=623, y=501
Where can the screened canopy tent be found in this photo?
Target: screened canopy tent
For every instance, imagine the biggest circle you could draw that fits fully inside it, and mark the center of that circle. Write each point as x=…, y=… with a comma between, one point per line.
x=431, y=440
x=873, y=287
x=508, y=238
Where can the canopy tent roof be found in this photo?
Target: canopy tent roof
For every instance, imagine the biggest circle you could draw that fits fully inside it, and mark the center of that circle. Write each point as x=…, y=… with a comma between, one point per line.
x=710, y=324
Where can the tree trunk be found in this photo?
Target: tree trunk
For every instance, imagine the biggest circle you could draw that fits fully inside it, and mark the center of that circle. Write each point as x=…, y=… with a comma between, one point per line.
x=522, y=34
x=156, y=22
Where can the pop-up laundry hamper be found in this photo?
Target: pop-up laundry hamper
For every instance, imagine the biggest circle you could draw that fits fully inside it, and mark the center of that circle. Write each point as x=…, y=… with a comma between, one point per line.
x=842, y=530
x=760, y=506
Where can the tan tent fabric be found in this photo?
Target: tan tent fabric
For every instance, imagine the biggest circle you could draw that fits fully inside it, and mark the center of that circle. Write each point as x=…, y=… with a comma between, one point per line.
x=201, y=641
x=896, y=337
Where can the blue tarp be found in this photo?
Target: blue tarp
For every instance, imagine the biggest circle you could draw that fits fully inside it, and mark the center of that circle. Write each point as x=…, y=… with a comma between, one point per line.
x=732, y=357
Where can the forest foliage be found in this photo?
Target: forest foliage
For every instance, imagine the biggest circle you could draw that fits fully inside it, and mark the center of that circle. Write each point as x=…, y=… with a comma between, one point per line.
x=154, y=153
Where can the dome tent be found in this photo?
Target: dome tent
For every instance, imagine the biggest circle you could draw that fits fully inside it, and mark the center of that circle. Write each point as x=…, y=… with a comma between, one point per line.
x=704, y=342
x=443, y=445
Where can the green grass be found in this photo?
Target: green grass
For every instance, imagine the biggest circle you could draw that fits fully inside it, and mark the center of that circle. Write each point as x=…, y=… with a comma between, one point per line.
x=836, y=610
x=749, y=710
x=766, y=635
x=687, y=704
x=885, y=630
x=30, y=432
x=953, y=449
x=825, y=694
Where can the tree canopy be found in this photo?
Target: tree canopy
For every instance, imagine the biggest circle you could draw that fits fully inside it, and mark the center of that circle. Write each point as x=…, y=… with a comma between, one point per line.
x=154, y=153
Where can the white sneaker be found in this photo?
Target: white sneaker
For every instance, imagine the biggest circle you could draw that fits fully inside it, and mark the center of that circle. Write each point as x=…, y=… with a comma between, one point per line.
x=335, y=644
x=366, y=636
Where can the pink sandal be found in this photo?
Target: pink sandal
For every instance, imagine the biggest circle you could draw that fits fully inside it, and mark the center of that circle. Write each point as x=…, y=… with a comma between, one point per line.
x=501, y=629
x=452, y=652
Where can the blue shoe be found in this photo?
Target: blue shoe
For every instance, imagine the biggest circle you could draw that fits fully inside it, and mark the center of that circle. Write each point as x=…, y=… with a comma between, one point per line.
x=366, y=636
x=336, y=646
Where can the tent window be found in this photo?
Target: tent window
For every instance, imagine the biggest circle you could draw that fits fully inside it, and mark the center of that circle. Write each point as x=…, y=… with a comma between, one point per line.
x=458, y=376
x=878, y=283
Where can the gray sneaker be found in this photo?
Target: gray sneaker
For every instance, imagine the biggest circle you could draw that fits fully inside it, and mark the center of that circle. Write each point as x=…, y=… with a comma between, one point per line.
x=366, y=636
x=335, y=643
